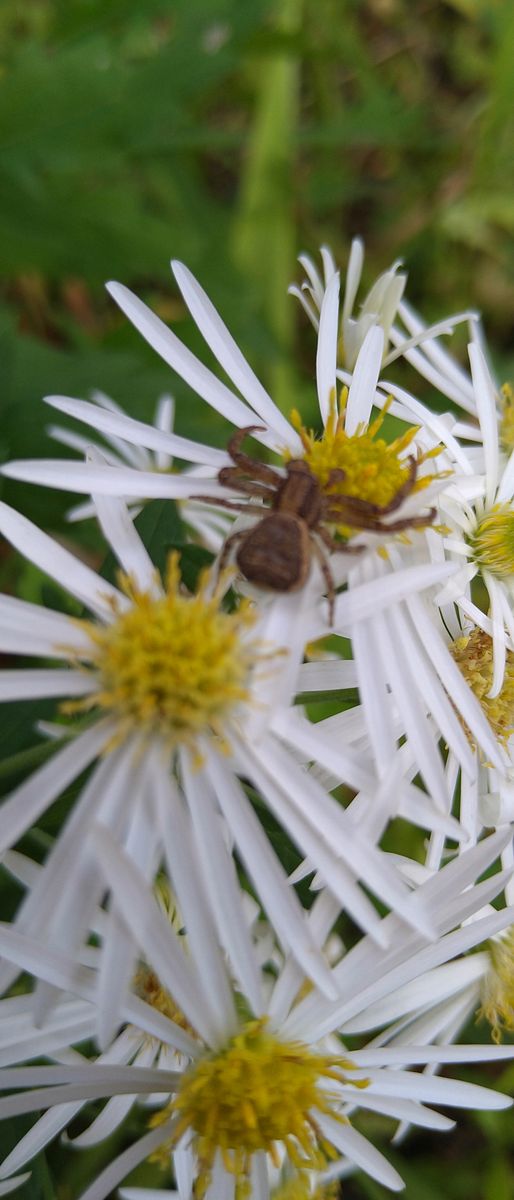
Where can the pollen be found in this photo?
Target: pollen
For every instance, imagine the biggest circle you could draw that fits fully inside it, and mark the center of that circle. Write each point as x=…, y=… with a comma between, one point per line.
x=148, y=986
x=254, y=1094
x=474, y=657
x=498, y=987
x=507, y=418
x=362, y=465
x=171, y=664
x=492, y=541
x=299, y=1187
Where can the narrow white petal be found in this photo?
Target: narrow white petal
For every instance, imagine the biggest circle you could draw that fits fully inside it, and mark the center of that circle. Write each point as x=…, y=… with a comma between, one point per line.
x=107, y=481
x=203, y=381
x=118, y=529
x=222, y=887
x=421, y=1055
x=228, y=354
x=25, y=805
x=485, y=397
x=353, y=276
x=352, y=1143
x=112, y=1175
x=57, y=562
x=267, y=874
x=138, y=432
x=30, y=685
x=9, y=1185
x=153, y=932
x=326, y=356
x=361, y=396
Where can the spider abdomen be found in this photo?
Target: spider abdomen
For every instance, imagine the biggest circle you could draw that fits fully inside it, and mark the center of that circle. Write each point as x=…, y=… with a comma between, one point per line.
x=276, y=553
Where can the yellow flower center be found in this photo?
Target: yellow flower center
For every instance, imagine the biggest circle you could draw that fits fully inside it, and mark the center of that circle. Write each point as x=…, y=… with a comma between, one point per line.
x=474, y=657
x=255, y=1092
x=507, y=418
x=492, y=541
x=173, y=665
x=147, y=985
x=371, y=469
x=299, y=1187
x=498, y=988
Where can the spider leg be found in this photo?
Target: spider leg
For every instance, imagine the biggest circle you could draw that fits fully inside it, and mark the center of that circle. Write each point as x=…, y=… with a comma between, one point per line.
x=337, y=475
x=328, y=577
x=251, y=466
x=376, y=525
x=336, y=547
x=353, y=504
x=404, y=490
x=228, y=544
x=234, y=476
x=233, y=505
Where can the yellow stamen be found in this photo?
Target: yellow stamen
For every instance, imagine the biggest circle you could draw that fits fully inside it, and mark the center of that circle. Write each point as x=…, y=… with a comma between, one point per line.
x=498, y=987
x=507, y=418
x=173, y=665
x=492, y=541
x=254, y=1093
x=371, y=468
x=474, y=657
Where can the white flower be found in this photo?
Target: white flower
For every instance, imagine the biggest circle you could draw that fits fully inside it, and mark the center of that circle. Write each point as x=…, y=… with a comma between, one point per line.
x=127, y=446
x=479, y=511
x=267, y=1072
x=185, y=702
x=383, y=307
x=394, y=478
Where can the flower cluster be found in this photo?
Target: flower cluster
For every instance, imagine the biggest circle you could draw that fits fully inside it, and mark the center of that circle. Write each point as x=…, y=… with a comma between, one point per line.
x=227, y=934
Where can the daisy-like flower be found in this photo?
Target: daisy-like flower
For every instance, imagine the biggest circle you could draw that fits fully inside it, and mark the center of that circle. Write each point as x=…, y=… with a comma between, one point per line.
x=405, y=334
x=479, y=511
x=268, y=1075
x=180, y=702
x=126, y=446
x=383, y=489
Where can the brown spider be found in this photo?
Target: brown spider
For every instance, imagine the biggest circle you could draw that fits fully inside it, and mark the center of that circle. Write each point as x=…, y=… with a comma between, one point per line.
x=276, y=552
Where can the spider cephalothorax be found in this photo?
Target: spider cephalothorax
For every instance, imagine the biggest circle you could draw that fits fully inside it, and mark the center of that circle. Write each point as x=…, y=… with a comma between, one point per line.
x=276, y=552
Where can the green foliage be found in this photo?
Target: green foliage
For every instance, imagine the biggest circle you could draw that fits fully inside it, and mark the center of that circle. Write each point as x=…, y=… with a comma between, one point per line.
x=232, y=136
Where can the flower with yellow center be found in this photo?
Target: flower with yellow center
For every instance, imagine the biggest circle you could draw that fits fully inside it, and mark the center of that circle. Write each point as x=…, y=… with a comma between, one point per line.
x=254, y=1094
x=363, y=466
x=170, y=664
x=492, y=541
x=474, y=657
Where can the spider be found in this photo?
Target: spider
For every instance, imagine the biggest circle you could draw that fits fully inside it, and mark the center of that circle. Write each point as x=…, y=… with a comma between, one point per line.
x=276, y=552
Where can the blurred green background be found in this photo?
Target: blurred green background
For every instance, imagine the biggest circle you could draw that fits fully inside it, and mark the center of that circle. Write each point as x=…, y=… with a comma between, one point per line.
x=232, y=134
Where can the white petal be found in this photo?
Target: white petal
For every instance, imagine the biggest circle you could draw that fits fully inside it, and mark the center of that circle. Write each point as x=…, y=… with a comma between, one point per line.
x=222, y=886
x=125, y=1162
x=139, y=433
x=485, y=397
x=353, y=276
x=153, y=933
x=133, y=557
x=107, y=481
x=57, y=562
x=326, y=356
x=361, y=1152
x=267, y=874
x=361, y=396
x=30, y=685
x=25, y=805
x=228, y=354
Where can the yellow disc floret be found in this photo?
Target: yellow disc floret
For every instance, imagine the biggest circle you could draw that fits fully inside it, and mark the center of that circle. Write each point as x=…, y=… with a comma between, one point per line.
x=492, y=541
x=474, y=657
x=507, y=418
x=256, y=1092
x=498, y=987
x=300, y=1187
x=361, y=465
x=170, y=664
